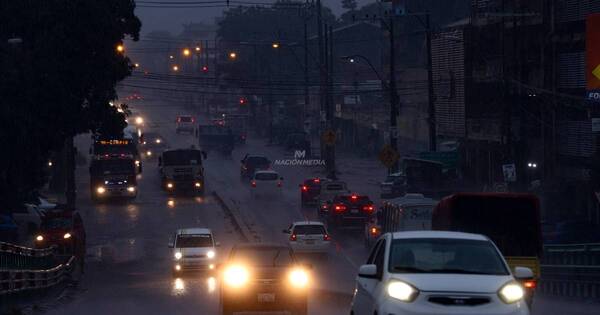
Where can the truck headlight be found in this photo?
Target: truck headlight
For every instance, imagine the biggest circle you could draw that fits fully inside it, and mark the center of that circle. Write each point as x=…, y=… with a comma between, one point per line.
x=198, y=185
x=67, y=236
x=402, y=291
x=39, y=238
x=298, y=278
x=131, y=189
x=178, y=255
x=236, y=276
x=100, y=190
x=511, y=293
x=169, y=185
x=210, y=254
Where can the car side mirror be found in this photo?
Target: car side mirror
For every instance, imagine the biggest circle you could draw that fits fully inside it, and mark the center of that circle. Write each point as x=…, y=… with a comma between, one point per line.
x=367, y=271
x=523, y=273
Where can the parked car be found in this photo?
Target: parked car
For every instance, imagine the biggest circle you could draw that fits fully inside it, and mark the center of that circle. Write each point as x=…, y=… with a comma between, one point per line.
x=393, y=186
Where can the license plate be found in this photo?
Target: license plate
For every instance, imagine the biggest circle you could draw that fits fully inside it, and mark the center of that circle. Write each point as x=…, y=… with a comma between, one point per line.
x=309, y=242
x=354, y=211
x=266, y=297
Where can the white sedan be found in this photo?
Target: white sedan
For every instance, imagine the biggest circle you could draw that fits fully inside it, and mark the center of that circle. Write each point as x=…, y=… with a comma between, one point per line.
x=308, y=237
x=266, y=182
x=434, y=272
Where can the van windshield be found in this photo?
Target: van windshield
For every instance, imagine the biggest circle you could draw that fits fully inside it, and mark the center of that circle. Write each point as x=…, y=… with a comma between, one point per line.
x=194, y=240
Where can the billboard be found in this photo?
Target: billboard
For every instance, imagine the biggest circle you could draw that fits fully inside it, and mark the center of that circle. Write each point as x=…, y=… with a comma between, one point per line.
x=593, y=56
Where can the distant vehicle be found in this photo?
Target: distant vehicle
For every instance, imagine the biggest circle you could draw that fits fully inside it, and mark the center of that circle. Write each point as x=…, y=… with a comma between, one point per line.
x=393, y=186
x=113, y=178
x=9, y=231
x=265, y=182
x=330, y=189
x=511, y=220
x=62, y=228
x=29, y=217
x=117, y=149
x=215, y=138
x=431, y=272
x=136, y=119
x=571, y=232
x=310, y=190
x=262, y=277
x=253, y=163
x=153, y=144
x=298, y=141
x=412, y=212
x=182, y=170
x=193, y=249
x=348, y=209
x=423, y=176
x=308, y=237
x=184, y=123
x=238, y=125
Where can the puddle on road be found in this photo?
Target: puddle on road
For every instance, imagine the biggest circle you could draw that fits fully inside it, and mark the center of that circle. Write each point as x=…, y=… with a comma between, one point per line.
x=118, y=251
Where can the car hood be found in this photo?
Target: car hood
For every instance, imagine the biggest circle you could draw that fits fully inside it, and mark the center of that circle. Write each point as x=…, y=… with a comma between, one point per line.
x=269, y=272
x=455, y=282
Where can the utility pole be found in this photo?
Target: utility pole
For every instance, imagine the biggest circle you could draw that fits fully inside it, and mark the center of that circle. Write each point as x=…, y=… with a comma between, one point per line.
x=393, y=94
x=70, y=192
x=431, y=97
x=322, y=77
x=330, y=104
x=306, y=96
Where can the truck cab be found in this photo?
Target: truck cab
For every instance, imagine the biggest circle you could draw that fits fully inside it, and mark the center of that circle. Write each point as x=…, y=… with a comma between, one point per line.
x=182, y=170
x=113, y=177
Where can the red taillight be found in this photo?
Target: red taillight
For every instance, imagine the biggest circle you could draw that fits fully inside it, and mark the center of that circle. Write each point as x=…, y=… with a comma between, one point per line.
x=340, y=208
x=304, y=188
x=316, y=180
x=253, y=183
x=354, y=197
x=368, y=208
x=279, y=184
x=193, y=119
x=530, y=284
x=374, y=231
x=178, y=119
x=326, y=237
x=293, y=237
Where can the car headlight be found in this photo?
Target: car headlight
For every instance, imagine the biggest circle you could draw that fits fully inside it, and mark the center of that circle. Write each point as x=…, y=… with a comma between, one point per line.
x=67, y=236
x=169, y=185
x=198, y=185
x=178, y=255
x=298, y=278
x=131, y=188
x=511, y=292
x=148, y=152
x=402, y=291
x=210, y=254
x=100, y=190
x=137, y=163
x=158, y=141
x=236, y=276
x=39, y=238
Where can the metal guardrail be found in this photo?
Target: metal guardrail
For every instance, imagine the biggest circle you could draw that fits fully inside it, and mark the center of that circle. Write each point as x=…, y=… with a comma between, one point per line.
x=23, y=268
x=571, y=271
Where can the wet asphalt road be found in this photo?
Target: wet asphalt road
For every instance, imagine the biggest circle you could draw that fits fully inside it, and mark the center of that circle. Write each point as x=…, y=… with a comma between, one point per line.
x=129, y=265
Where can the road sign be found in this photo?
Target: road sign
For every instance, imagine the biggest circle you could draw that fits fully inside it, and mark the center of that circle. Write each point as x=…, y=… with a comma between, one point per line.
x=388, y=156
x=593, y=57
x=329, y=137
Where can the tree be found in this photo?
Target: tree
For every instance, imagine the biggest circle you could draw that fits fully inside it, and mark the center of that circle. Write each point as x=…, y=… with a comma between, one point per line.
x=349, y=5
x=57, y=82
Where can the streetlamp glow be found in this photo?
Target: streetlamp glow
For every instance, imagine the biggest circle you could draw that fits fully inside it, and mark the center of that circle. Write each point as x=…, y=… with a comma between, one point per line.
x=175, y=68
x=197, y=48
x=137, y=65
x=186, y=52
x=232, y=55
x=275, y=45
x=171, y=57
x=120, y=48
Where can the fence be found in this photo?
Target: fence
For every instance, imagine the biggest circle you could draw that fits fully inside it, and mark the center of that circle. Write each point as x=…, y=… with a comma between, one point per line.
x=571, y=271
x=23, y=269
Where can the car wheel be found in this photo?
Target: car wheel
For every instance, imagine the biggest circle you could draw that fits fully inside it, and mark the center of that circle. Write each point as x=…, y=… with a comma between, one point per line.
x=301, y=309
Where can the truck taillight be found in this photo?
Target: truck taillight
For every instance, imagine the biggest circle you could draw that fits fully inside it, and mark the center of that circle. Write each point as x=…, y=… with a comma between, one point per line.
x=326, y=237
x=374, y=231
x=293, y=237
x=304, y=188
x=340, y=208
x=530, y=284
x=253, y=183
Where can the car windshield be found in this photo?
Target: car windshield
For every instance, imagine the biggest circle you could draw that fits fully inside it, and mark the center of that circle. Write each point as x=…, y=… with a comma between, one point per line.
x=452, y=256
x=309, y=229
x=182, y=157
x=113, y=167
x=263, y=256
x=185, y=119
x=266, y=176
x=194, y=240
x=56, y=224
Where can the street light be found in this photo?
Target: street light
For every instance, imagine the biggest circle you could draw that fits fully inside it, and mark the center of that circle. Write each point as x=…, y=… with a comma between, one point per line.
x=175, y=68
x=275, y=45
x=186, y=52
x=137, y=65
x=120, y=48
x=353, y=59
x=197, y=48
x=171, y=57
x=232, y=55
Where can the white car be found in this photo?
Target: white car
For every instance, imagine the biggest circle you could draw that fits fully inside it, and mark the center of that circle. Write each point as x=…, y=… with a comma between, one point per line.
x=435, y=272
x=184, y=123
x=308, y=237
x=193, y=249
x=267, y=182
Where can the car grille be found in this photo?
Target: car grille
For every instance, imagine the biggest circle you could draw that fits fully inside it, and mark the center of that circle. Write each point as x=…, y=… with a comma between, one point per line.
x=459, y=300
x=195, y=256
x=183, y=177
